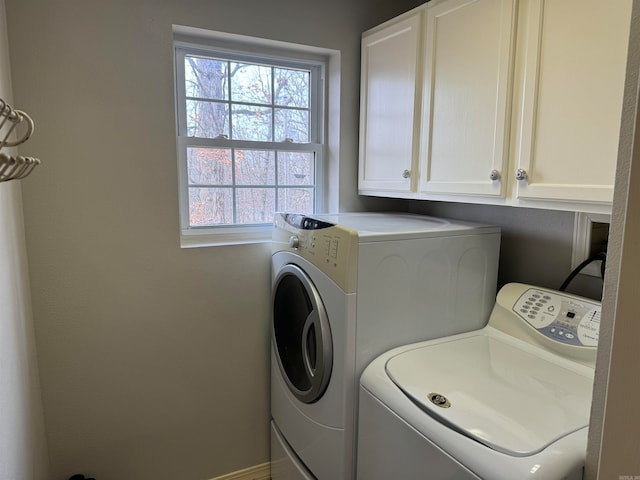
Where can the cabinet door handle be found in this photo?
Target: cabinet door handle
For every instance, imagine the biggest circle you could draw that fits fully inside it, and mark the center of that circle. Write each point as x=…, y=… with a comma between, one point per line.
x=521, y=174
x=406, y=174
x=494, y=175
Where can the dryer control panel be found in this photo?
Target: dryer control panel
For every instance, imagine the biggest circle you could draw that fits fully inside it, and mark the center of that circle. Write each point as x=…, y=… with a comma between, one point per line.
x=561, y=317
x=331, y=248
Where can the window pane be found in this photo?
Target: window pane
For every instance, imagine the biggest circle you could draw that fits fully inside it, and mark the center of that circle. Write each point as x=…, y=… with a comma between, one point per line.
x=205, y=78
x=251, y=83
x=209, y=166
x=256, y=105
x=298, y=200
x=255, y=167
x=251, y=123
x=293, y=124
x=210, y=206
x=207, y=119
x=291, y=87
x=255, y=205
x=296, y=168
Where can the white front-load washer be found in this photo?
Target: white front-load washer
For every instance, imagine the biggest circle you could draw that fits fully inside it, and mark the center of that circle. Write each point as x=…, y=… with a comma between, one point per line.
x=347, y=287
x=508, y=401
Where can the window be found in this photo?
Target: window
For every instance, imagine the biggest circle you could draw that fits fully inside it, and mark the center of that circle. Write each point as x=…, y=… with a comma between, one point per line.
x=249, y=140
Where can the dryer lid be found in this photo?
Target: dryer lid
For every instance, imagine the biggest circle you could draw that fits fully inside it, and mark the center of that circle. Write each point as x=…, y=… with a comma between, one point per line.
x=508, y=398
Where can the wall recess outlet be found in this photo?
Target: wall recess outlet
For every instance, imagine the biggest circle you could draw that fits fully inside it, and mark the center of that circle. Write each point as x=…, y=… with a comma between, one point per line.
x=590, y=235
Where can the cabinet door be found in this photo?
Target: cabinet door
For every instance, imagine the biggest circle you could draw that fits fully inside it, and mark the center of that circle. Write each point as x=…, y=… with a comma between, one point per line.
x=389, y=94
x=467, y=86
x=574, y=56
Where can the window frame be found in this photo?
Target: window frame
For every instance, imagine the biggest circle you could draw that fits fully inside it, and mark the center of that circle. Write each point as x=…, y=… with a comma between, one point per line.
x=256, y=52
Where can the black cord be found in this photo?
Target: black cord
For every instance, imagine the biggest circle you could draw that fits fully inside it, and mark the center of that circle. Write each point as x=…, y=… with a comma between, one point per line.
x=596, y=256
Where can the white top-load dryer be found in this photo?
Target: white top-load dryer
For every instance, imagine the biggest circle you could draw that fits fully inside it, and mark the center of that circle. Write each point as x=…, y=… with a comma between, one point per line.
x=509, y=401
x=346, y=288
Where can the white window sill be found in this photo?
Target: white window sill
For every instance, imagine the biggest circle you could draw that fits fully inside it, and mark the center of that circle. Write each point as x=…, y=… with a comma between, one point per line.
x=218, y=236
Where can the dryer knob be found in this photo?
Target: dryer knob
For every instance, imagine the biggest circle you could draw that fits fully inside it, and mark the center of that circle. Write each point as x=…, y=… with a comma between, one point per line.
x=294, y=242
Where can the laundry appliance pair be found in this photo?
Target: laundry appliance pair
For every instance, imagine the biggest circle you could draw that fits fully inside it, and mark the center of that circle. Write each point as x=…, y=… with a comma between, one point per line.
x=345, y=289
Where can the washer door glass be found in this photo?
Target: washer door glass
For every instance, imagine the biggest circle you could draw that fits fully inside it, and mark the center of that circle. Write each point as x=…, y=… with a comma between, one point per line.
x=301, y=334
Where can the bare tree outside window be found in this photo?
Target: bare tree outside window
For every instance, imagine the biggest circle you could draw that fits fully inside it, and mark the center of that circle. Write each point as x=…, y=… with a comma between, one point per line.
x=257, y=117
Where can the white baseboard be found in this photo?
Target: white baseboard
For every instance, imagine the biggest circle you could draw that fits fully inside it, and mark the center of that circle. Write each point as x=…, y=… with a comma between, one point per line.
x=258, y=472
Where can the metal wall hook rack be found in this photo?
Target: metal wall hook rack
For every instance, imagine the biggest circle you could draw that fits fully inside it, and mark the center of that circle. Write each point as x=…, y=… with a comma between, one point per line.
x=16, y=127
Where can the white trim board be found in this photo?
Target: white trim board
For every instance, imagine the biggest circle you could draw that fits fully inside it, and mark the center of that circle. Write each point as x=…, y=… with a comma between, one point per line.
x=257, y=472
x=582, y=241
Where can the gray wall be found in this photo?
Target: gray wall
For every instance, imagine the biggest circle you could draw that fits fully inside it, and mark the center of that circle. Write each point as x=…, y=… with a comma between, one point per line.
x=154, y=360
x=23, y=452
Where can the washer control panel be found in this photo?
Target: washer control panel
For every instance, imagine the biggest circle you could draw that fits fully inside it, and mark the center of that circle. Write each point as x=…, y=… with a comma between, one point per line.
x=560, y=317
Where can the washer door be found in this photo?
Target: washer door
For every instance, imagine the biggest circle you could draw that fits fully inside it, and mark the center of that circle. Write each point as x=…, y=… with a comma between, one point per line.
x=301, y=334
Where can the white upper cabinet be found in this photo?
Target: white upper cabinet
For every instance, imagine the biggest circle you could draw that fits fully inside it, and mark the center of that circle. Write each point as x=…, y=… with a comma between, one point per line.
x=573, y=56
x=467, y=82
x=496, y=101
x=389, y=106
